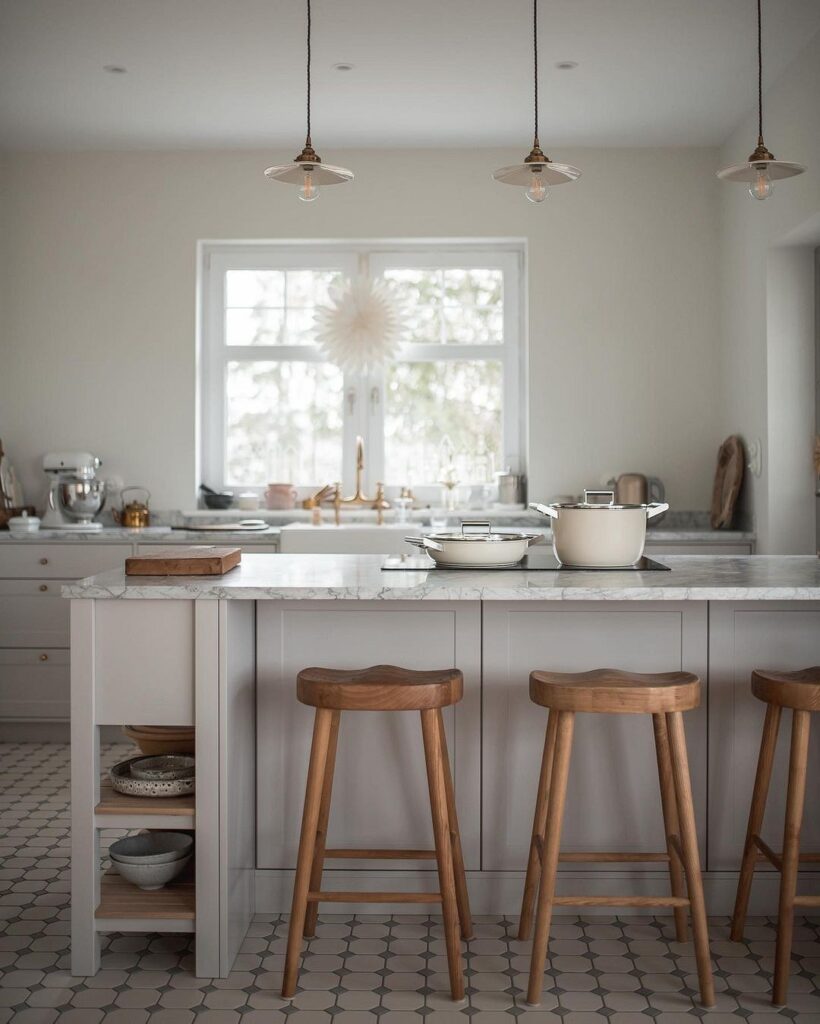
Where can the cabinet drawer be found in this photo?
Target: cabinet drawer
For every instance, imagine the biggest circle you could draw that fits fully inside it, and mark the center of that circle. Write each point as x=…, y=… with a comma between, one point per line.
x=35, y=684
x=32, y=614
x=59, y=561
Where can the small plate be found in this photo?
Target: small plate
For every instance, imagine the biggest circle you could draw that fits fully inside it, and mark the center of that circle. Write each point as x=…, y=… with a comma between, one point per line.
x=163, y=767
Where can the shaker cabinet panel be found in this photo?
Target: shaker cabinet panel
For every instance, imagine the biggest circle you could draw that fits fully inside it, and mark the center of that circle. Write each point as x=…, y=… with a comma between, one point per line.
x=380, y=796
x=613, y=800
x=32, y=614
x=34, y=684
x=742, y=637
x=60, y=561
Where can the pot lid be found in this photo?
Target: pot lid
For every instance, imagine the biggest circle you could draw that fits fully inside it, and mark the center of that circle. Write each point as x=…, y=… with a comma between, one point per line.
x=605, y=501
x=480, y=538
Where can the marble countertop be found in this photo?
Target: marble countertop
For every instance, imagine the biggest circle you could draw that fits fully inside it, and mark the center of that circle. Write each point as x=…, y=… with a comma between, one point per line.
x=147, y=535
x=360, y=577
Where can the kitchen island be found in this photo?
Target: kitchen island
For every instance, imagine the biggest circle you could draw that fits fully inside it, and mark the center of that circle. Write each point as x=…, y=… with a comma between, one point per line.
x=222, y=653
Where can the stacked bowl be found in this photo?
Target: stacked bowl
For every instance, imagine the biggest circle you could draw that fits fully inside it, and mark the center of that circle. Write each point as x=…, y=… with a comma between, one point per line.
x=152, y=859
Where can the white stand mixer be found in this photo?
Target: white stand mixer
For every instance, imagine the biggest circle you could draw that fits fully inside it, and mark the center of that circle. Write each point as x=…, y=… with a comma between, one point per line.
x=75, y=495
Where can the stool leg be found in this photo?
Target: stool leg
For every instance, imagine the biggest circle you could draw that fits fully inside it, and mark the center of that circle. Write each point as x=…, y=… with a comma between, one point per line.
x=462, y=895
x=444, y=853
x=312, y=914
x=538, y=830
x=791, y=852
x=760, y=794
x=307, y=842
x=691, y=858
x=555, y=817
x=671, y=825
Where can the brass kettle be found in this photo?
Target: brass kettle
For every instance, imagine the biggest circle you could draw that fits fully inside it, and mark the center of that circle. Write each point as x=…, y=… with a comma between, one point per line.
x=135, y=514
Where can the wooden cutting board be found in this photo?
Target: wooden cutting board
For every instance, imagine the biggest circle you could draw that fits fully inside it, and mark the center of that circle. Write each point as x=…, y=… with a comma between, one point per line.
x=203, y=560
x=728, y=480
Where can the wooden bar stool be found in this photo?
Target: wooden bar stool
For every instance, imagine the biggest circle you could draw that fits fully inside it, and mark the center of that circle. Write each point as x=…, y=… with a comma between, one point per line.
x=381, y=688
x=611, y=692
x=799, y=691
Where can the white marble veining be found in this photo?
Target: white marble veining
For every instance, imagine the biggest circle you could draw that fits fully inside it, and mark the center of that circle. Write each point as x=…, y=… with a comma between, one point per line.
x=360, y=577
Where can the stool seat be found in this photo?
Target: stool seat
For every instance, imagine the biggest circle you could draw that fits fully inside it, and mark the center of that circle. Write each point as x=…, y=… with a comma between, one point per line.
x=380, y=688
x=799, y=690
x=615, y=692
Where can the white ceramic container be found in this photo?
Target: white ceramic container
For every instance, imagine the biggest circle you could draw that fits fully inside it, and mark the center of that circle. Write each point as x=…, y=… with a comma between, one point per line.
x=599, y=535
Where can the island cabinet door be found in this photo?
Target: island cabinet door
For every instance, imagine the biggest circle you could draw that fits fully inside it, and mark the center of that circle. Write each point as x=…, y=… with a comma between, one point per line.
x=756, y=634
x=380, y=796
x=613, y=798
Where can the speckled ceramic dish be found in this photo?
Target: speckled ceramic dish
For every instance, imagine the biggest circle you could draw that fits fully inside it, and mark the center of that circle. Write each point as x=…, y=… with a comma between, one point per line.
x=124, y=782
x=151, y=848
x=151, y=876
x=164, y=768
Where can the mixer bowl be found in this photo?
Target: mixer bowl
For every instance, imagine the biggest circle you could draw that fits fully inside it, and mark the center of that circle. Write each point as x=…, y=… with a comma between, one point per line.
x=82, y=499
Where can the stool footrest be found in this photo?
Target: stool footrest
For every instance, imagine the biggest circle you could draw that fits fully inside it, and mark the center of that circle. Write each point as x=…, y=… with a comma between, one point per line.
x=807, y=901
x=374, y=897
x=614, y=858
x=765, y=852
x=621, y=901
x=380, y=854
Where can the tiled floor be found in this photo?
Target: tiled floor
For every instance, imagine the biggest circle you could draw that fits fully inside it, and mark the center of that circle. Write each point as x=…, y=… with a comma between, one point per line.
x=358, y=970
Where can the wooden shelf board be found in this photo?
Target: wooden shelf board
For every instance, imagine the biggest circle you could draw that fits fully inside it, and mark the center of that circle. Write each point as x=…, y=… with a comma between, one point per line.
x=113, y=803
x=122, y=899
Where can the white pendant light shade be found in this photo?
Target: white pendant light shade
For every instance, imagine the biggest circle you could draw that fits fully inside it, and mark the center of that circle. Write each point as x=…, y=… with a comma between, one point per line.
x=537, y=172
x=307, y=170
x=762, y=168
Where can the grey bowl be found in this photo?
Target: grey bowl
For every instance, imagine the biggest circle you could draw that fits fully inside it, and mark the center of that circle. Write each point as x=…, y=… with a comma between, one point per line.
x=151, y=848
x=163, y=767
x=151, y=876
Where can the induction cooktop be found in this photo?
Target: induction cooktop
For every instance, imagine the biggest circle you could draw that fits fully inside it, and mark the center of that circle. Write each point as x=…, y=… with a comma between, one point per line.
x=537, y=560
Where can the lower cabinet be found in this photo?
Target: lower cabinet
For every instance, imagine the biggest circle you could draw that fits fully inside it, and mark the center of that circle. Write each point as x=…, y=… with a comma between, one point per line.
x=613, y=800
x=380, y=796
x=35, y=684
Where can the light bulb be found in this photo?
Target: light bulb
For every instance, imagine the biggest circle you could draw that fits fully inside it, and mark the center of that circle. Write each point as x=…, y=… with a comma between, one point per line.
x=761, y=187
x=537, y=192
x=309, y=190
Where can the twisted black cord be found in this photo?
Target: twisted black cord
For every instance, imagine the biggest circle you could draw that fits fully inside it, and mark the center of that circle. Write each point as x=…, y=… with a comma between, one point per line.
x=308, y=72
x=535, y=60
x=759, y=71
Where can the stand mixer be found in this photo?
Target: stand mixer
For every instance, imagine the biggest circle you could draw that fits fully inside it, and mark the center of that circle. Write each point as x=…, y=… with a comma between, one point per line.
x=75, y=495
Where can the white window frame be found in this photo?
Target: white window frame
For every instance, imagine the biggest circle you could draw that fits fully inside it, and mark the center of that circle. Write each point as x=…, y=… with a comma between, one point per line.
x=363, y=395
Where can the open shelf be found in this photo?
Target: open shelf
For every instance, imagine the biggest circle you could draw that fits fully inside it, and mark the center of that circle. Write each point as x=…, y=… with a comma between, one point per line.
x=119, y=809
x=124, y=907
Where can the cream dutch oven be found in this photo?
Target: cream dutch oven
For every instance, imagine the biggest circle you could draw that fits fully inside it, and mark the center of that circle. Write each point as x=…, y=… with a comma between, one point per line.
x=599, y=534
x=475, y=550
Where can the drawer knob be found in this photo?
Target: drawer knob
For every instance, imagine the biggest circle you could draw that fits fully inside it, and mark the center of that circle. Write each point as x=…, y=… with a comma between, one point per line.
x=43, y=561
x=43, y=657
x=43, y=586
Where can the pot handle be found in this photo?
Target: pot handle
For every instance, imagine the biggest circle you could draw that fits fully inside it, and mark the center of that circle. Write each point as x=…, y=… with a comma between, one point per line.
x=656, y=508
x=424, y=542
x=545, y=510
x=534, y=538
x=608, y=494
x=476, y=522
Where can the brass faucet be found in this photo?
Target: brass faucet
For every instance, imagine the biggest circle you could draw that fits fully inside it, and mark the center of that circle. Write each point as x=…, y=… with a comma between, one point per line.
x=333, y=492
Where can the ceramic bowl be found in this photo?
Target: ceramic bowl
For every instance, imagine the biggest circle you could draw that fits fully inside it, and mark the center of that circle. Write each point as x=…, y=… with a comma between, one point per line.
x=165, y=768
x=158, y=739
x=152, y=848
x=151, y=876
x=123, y=782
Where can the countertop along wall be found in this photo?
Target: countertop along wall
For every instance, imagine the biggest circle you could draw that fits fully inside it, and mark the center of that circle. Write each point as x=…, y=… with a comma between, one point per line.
x=768, y=308
x=98, y=332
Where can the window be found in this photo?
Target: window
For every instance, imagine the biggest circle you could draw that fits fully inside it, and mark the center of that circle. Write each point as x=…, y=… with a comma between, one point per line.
x=274, y=410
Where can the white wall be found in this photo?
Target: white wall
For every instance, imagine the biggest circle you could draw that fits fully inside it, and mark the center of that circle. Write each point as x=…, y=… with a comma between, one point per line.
x=98, y=328
x=768, y=309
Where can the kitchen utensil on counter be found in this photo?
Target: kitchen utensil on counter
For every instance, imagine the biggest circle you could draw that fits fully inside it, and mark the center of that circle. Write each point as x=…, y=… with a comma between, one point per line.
x=728, y=480
x=203, y=560
x=216, y=499
x=133, y=514
x=162, y=739
x=280, y=496
x=599, y=535
x=512, y=488
x=124, y=782
x=75, y=495
x=243, y=526
x=475, y=550
x=23, y=525
x=155, y=847
x=637, y=489
x=163, y=767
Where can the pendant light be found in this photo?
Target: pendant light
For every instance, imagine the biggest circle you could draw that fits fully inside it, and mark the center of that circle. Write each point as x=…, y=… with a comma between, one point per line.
x=537, y=172
x=307, y=170
x=761, y=169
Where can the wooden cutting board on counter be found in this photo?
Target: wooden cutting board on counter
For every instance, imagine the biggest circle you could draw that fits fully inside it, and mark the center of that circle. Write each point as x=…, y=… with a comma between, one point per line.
x=203, y=560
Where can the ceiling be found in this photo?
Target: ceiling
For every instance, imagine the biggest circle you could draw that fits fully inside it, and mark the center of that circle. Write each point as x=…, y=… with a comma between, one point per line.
x=230, y=73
